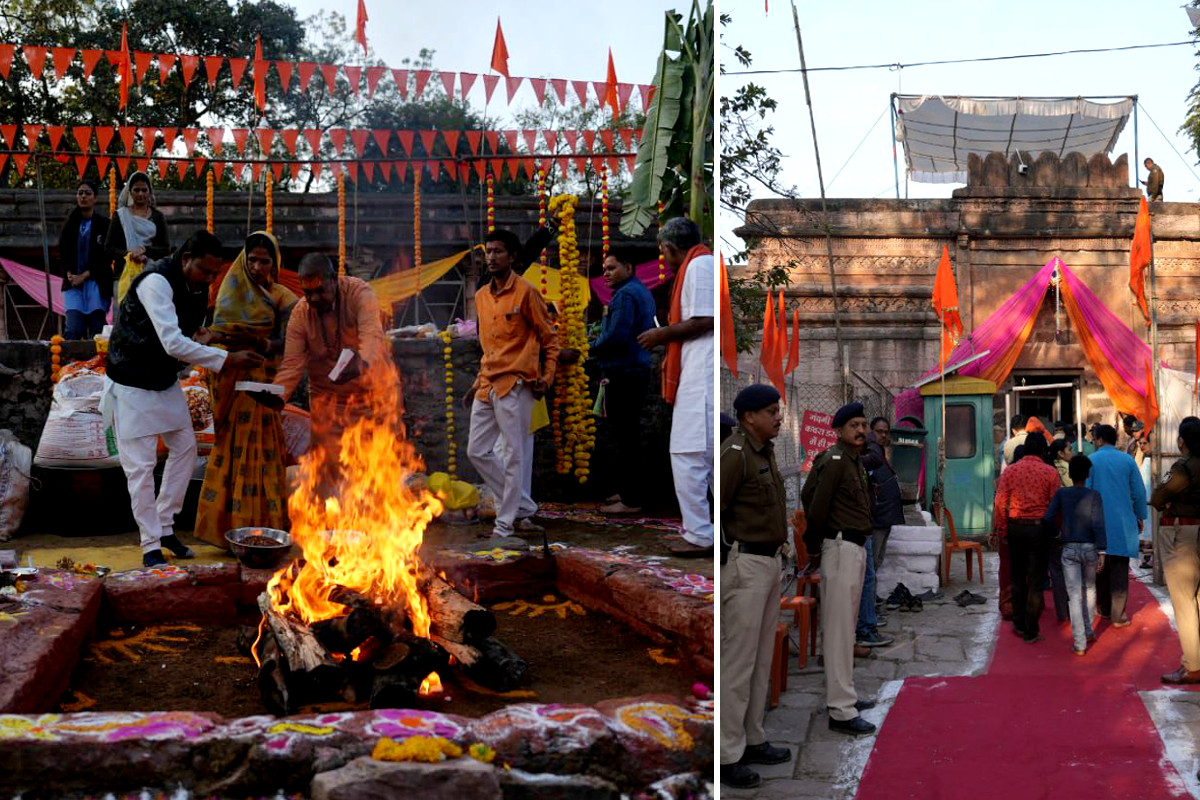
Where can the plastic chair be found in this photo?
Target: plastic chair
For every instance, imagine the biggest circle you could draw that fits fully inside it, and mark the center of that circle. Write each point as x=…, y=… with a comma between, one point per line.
x=779, y=664
x=804, y=603
x=954, y=545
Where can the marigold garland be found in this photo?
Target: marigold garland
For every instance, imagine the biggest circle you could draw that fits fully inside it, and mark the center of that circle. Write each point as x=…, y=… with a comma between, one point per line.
x=579, y=426
x=270, y=193
x=662, y=260
x=55, y=357
x=210, y=181
x=112, y=192
x=451, y=447
x=604, y=210
x=417, y=230
x=341, y=201
x=491, y=203
x=541, y=190
x=430, y=749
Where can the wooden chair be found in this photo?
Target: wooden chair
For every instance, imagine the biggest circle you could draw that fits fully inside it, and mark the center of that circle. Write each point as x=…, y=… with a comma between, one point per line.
x=804, y=604
x=953, y=545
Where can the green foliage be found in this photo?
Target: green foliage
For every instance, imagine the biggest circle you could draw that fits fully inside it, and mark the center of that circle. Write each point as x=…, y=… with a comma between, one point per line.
x=675, y=159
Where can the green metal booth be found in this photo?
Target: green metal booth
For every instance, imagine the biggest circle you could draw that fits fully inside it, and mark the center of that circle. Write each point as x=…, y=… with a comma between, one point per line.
x=970, y=481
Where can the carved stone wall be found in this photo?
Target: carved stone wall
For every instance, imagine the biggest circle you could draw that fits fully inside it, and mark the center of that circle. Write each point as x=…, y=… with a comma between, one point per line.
x=1000, y=229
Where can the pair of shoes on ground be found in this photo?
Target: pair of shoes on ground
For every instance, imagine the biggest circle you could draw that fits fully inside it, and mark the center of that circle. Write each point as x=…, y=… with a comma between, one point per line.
x=1121, y=623
x=155, y=558
x=968, y=598
x=617, y=507
x=853, y=727
x=1031, y=638
x=1182, y=677
x=739, y=775
x=873, y=638
x=898, y=598
x=930, y=595
x=682, y=548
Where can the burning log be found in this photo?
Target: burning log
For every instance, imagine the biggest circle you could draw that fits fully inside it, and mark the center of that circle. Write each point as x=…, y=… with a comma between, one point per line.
x=296, y=642
x=343, y=634
x=489, y=662
x=454, y=617
x=397, y=682
x=272, y=680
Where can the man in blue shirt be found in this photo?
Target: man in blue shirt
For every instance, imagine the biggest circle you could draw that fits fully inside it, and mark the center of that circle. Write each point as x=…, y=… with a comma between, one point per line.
x=625, y=365
x=1117, y=478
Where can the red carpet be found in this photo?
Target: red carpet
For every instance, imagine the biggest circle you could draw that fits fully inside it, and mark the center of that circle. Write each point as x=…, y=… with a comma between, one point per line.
x=1042, y=723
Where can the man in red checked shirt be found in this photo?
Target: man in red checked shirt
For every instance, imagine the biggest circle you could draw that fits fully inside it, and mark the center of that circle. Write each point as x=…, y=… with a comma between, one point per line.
x=1022, y=497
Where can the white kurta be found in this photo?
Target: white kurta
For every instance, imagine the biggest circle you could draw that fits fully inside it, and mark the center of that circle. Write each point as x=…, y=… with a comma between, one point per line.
x=692, y=417
x=142, y=412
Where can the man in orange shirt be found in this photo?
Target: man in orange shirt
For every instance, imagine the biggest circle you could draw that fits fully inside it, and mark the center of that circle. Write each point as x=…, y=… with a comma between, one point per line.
x=336, y=313
x=520, y=354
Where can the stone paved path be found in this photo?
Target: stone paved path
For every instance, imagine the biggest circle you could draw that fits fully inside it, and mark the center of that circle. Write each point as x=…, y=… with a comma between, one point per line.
x=942, y=640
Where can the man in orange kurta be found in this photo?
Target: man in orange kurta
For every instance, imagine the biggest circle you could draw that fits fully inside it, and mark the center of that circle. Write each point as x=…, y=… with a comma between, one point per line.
x=338, y=313
x=520, y=354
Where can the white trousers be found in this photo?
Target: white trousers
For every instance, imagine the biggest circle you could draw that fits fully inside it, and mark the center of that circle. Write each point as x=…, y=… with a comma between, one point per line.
x=527, y=507
x=693, y=476
x=498, y=447
x=843, y=567
x=156, y=517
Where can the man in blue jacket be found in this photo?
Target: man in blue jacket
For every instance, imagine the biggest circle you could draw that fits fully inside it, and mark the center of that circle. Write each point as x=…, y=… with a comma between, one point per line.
x=1117, y=478
x=886, y=511
x=626, y=368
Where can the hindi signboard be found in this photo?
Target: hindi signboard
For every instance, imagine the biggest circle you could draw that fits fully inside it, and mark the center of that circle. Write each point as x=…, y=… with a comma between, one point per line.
x=815, y=436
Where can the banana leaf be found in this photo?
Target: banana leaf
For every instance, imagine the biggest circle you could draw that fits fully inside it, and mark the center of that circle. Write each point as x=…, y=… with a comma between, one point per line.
x=640, y=206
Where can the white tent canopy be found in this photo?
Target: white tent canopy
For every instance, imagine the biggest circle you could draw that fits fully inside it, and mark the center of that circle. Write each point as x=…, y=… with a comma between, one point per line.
x=939, y=133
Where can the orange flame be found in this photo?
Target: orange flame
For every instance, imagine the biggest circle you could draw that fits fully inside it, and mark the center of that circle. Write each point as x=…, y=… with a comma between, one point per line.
x=356, y=519
x=431, y=685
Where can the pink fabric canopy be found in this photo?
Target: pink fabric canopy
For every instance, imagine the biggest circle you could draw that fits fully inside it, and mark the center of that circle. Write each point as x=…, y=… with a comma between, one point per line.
x=646, y=273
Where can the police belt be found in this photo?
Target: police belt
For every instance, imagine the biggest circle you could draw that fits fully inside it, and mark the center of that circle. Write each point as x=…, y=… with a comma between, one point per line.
x=759, y=548
x=854, y=537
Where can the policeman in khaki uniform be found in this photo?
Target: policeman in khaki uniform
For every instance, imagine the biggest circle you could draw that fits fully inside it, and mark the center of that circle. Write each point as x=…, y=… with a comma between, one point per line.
x=753, y=529
x=838, y=511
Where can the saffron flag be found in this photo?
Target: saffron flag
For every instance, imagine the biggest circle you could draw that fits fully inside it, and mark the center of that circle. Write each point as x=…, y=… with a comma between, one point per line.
x=260, y=77
x=610, y=89
x=945, y=305
x=500, y=52
x=728, y=338
x=360, y=27
x=125, y=67
x=794, y=351
x=1150, y=415
x=1139, y=257
x=768, y=350
x=781, y=337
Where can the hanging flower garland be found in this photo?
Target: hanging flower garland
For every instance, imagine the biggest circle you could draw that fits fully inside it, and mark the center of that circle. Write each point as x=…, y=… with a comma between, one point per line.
x=491, y=203
x=542, y=196
x=604, y=210
x=55, y=357
x=270, y=192
x=579, y=429
x=417, y=229
x=112, y=192
x=341, y=200
x=662, y=260
x=208, y=201
x=451, y=447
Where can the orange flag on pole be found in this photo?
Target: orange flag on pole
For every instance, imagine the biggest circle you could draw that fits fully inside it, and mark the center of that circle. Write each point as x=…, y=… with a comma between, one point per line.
x=1150, y=414
x=945, y=305
x=768, y=354
x=794, y=350
x=360, y=27
x=610, y=88
x=1139, y=257
x=728, y=338
x=781, y=337
x=125, y=67
x=500, y=52
x=260, y=77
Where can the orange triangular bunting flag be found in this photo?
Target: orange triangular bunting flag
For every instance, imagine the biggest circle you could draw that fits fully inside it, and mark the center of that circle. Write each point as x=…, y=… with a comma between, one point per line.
x=400, y=78
x=122, y=164
x=290, y=137
x=104, y=137
x=489, y=86
x=188, y=65
x=481, y=169
x=32, y=133
x=423, y=76
x=354, y=75
x=190, y=136
x=237, y=68
x=313, y=137
x=551, y=139
x=539, y=89
x=143, y=164
x=572, y=138
x=212, y=66
x=530, y=139
x=181, y=167
x=36, y=58
x=81, y=163
x=216, y=138
x=512, y=84
x=169, y=135
x=56, y=134
x=465, y=81
x=358, y=137
x=589, y=140
x=511, y=138
x=256, y=169
x=265, y=137
x=63, y=56
x=381, y=136
x=626, y=138
x=581, y=88
x=406, y=141
x=277, y=171
x=284, y=70
x=239, y=137
x=166, y=61
x=560, y=89
x=199, y=162
x=296, y=166
x=338, y=137
x=606, y=136
x=368, y=168
x=90, y=59
x=83, y=136
x=141, y=63
x=218, y=169
x=21, y=160
x=499, y=52
x=304, y=71
x=6, y=57
x=493, y=141
x=374, y=76
x=329, y=75
x=447, y=83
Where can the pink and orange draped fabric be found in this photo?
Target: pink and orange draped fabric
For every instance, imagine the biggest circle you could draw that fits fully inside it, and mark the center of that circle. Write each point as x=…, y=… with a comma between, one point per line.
x=1119, y=357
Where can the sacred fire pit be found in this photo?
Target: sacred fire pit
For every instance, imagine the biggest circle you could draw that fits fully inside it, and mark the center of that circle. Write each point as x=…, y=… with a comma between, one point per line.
x=359, y=618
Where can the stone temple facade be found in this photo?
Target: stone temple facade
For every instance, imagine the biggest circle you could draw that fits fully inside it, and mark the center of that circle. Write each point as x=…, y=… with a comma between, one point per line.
x=1000, y=230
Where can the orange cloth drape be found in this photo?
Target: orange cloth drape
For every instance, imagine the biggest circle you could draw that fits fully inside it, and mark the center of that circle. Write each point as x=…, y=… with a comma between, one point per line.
x=673, y=362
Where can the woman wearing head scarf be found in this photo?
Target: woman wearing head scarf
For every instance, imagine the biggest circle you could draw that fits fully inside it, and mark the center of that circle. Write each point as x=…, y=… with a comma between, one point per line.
x=245, y=483
x=87, y=270
x=138, y=234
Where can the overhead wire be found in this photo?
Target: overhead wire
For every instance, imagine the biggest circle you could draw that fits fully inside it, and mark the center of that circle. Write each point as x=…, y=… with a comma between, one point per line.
x=1168, y=141
x=898, y=66
x=856, y=149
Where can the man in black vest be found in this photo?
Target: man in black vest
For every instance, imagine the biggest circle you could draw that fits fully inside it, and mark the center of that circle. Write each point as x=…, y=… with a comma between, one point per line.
x=150, y=346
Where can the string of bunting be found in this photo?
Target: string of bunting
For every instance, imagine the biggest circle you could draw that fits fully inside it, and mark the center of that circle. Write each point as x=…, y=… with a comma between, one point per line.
x=355, y=77
x=459, y=168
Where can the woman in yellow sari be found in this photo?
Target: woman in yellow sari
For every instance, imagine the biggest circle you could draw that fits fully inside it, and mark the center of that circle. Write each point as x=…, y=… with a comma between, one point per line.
x=245, y=483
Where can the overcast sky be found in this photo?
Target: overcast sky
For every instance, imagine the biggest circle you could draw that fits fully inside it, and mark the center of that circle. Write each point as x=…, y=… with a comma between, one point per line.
x=545, y=39
x=847, y=103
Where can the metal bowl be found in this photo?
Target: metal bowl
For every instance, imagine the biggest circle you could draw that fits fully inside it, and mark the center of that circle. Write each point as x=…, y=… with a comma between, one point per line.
x=258, y=556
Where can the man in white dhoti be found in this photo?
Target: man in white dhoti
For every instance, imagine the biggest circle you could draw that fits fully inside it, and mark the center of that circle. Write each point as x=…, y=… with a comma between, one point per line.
x=149, y=347
x=687, y=374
